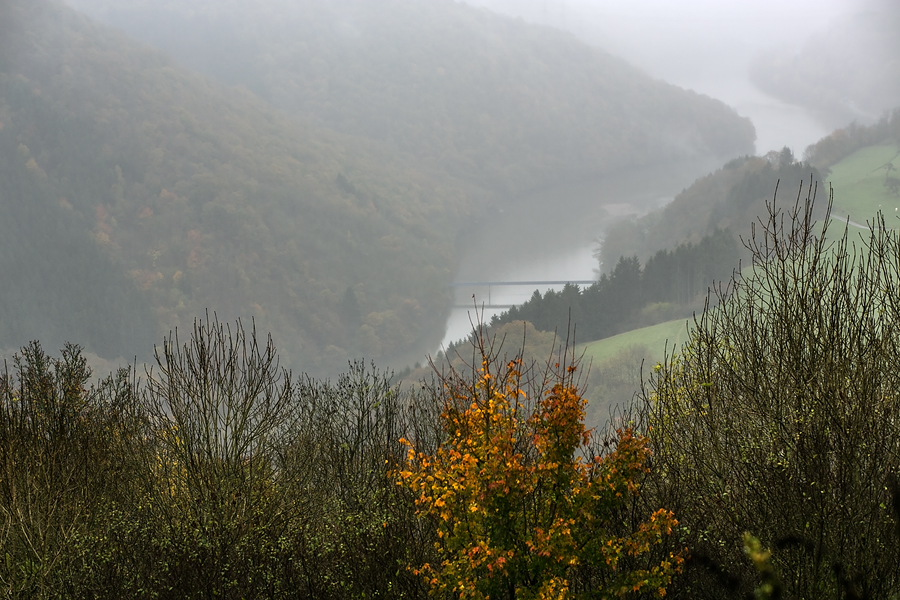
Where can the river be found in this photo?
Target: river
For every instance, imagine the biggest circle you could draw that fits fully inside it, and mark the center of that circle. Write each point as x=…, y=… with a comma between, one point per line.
x=552, y=235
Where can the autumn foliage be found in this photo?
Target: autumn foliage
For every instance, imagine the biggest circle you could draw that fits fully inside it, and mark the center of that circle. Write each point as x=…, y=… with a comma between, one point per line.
x=520, y=501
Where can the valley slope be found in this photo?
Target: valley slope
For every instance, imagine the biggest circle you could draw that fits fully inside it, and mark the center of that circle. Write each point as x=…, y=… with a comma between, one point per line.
x=140, y=194
x=206, y=198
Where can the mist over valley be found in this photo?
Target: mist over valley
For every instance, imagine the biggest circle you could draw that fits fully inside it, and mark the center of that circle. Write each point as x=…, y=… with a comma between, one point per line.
x=341, y=299
x=330, y=168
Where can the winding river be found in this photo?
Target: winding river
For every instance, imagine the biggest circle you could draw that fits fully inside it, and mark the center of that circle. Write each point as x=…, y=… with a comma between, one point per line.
x=552, y=235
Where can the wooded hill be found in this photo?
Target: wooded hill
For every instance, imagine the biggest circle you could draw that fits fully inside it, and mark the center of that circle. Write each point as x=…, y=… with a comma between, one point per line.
x=489, y=99
x=139, y=194
x=732, y=198
x=194, y=197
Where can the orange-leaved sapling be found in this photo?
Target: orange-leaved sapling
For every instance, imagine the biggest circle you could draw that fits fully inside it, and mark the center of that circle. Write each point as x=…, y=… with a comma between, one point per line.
x=521, y=504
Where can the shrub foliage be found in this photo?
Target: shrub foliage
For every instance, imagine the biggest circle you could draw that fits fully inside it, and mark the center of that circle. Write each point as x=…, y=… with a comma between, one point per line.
x=780, y=416
x=773, y=435
x=216, y=476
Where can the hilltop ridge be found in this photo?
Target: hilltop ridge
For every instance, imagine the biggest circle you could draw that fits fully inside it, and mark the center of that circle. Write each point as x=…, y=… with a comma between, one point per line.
x=489, y=99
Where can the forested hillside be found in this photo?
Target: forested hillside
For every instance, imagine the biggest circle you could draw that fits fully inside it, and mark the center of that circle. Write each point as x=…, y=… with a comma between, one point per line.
x=137, y=195
x=143, y=194
x=734, y=196
x=731, y=198
x=60, y=284
x=487, y=98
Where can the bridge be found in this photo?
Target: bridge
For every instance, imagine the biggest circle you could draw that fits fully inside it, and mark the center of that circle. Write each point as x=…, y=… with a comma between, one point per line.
x=490, y=284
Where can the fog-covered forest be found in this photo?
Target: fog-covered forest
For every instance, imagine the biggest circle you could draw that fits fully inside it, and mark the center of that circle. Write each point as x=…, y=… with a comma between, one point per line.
x=208, y=196
x=488, y=299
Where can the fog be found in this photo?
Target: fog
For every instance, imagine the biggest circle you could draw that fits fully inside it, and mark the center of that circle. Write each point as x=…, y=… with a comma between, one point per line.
x=706, y=46
x=245, y=242
x=453, y=144
x=703, y=45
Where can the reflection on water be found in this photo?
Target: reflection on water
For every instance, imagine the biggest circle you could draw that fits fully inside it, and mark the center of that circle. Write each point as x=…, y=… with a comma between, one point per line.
x=475, y=301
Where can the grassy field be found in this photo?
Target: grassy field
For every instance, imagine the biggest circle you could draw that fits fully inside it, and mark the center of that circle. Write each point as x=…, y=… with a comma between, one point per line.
x=619, y=363
x=858, y=182
x=655, y=338
x=859, y=192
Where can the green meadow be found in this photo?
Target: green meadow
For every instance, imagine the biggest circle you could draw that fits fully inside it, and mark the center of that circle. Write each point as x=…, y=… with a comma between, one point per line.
x=858, y=183
x=655, y=338
x=860, y=192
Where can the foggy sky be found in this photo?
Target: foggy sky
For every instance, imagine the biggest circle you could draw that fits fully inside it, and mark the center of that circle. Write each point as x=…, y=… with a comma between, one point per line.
x=703, y=45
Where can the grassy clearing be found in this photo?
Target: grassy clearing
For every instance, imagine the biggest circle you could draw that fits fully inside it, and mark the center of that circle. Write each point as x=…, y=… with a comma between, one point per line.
x=654, y=338
x=858, y=183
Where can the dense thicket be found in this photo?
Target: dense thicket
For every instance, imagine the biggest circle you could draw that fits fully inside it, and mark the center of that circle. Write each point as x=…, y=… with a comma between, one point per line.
x=221, y=476
x=486, y=98
x=218, y=476
x=780, y=418
x=731, y=198
x=669, y=285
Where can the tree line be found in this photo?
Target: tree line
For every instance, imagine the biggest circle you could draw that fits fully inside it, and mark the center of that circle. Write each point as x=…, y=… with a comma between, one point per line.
x=670, y=284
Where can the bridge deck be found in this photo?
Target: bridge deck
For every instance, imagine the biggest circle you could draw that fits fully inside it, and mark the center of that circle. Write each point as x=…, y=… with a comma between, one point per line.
x=487, y=283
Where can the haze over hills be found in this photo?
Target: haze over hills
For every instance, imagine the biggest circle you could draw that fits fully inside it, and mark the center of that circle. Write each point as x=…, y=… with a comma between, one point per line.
x=797, y=69
x=209, y=199
x=489, y=99
x=183, y=195
x=847, y=72
x=335, y=170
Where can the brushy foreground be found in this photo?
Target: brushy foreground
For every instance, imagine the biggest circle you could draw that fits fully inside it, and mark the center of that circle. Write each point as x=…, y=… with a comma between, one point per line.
x=762, y=460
